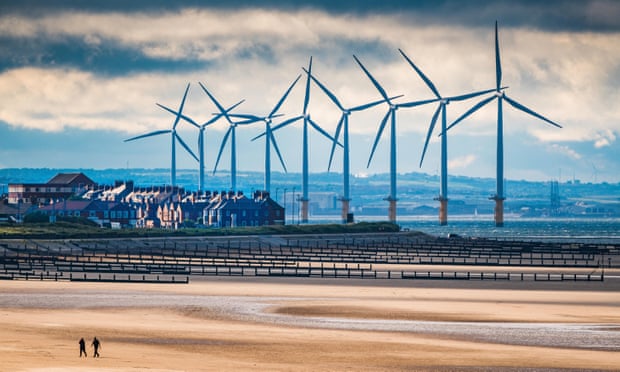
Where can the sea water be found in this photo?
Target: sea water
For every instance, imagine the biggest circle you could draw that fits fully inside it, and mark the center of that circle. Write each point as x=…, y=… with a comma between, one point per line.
x=577, y=229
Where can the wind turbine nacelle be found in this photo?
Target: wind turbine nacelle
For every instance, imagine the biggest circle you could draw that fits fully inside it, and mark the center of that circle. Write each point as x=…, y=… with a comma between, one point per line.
x=444, y=101
x=499, y=93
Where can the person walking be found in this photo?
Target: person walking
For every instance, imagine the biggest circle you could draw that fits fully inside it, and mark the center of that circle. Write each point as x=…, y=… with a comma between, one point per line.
x=82, y=347
x=96, y=344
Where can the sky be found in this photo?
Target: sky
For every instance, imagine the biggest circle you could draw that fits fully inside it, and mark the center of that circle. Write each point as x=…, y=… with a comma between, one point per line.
x=78, y=78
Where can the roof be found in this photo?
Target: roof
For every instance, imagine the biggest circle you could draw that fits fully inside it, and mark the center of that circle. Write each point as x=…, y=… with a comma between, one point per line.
x=8, y=209
x=71, y=179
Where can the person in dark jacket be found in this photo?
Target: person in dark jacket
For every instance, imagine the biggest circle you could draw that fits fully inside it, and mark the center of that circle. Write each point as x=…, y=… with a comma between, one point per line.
x=82, y=347
x=96, y=344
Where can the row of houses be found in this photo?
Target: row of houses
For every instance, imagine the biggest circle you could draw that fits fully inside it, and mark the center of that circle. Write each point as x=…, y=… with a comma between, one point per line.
x=124, y=205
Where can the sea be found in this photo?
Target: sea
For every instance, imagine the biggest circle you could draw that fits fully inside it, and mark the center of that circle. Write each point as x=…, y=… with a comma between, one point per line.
x=595, y=230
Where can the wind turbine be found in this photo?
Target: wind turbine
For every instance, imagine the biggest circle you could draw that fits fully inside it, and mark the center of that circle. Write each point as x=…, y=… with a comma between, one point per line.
x=391, y=115
x=499, y=196
x=270, y=140
x=343, y=125
x=174, y=137
x=443, y=102
x=230, y=133
x=307, y=122
x=201, y=134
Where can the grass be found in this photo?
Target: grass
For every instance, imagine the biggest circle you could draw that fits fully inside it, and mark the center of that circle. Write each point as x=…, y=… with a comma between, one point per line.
x=74, y=230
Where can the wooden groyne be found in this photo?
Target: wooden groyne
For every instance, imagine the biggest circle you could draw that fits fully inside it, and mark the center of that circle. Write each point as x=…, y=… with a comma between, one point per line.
x=365, y=256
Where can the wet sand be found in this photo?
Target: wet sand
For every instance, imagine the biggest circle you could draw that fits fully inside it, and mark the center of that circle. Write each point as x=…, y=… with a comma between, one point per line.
x=215, y=324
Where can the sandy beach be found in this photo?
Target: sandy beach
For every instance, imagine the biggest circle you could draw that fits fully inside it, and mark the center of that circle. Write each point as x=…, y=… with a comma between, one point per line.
x=216, y=324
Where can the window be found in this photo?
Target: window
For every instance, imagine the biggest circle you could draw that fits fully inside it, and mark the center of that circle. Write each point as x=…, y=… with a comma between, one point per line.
x=243, y=213
x=277, y=213
x=112, y=214
x=105, y=214
x=125, y=214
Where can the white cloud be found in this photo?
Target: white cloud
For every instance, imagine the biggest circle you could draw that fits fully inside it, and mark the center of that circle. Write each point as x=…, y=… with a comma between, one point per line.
x=565, y=150
x=462, y=162
x=606, y=138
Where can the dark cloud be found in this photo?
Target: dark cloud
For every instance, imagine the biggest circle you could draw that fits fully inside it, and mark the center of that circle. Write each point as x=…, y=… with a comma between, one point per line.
x=106, y=58
x=558, y=15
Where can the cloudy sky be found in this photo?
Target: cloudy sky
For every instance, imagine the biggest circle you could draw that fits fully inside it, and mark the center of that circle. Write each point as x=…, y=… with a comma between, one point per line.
x=77, y=78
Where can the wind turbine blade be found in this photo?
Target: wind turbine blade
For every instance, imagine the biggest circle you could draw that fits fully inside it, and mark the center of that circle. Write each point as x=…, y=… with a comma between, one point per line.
x=470, y=95
x=307, y=96
x=430, y=131
x=498, y=64
x=336, y=136
x=249, y=121
x=327, y=92
x=519, y=106
x=246, y=116
x=471, y=111
x=186, y=118
x=372, y=79
x=282, y=124
x=277, y=107
x=287, y=122
x=217, y=117
x=222, y=145
x=257, y=137
x=371, y=104
x=217, y=104
x=417, y=103
x=246, y=122
x=379, y=132
x=275, y=146
x=176, y=121
x=428, y=82
x=185, y=146
x=156, y=133
x=322, y=131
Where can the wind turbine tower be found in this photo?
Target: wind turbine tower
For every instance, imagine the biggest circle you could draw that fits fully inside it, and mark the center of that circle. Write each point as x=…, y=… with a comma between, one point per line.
x=343, y=125
x=390, y=115
x=441, y=108
x=270, y=138
x=174, y=136
x=201, y=135
x=305, y=152
x=501, y=96
x=230, y=133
